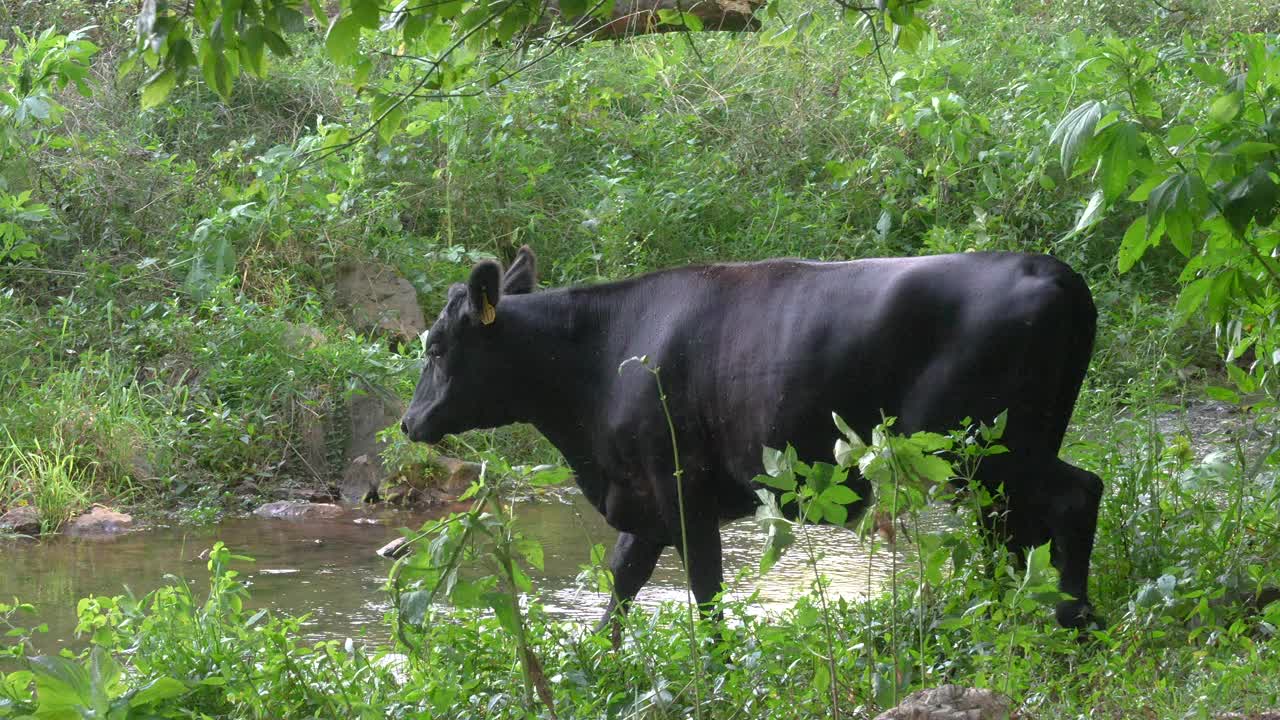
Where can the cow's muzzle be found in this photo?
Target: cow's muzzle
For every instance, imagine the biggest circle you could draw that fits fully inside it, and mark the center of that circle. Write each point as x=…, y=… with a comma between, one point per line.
x=416, y=430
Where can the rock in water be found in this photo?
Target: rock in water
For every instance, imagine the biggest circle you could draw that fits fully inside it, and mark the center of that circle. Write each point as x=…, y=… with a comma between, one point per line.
x=23, y=520
x=952, y=702
x=100, y=520
x=294, y=510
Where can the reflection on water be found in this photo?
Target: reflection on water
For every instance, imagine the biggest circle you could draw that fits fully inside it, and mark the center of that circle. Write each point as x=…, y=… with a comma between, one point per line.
x=328, y=569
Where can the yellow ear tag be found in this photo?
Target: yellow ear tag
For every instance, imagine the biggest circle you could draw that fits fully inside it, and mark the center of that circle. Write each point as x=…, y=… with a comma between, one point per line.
x=487, y=312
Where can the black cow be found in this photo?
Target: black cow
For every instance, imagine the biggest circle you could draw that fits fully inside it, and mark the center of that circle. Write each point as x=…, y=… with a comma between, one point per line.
x=760, y=354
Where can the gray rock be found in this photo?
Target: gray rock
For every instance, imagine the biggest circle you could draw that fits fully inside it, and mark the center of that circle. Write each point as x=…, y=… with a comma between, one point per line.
x=313, y=443
x=460, y=473
x=99, y=521
x=368, y=414
x=437, y=483
x=295, y=510
x=952, y=702
x=379, y=301
x=361, y=479
x=177, y=370
x=301, y=337
x=311, y=494
x=23, y=520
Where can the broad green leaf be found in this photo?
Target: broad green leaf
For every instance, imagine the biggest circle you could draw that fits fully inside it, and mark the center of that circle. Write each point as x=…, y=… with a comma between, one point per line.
x=389, y=124
x=932, y=468
x=520, y=579
x=414, y=605
x=908, y=36
x=1226, y=107
x=1209, y=74
x=782, y=482
x=843, y=426
x=365, y=12
x=573, y=8
x=1179, y=226
x=104, y=673
x=1180, y=135
x=781, y=37
x=1223, y=394
x=843, y=453
x=437, y=38
x=1092, y=212
x=1074, y=131
x=343, y=39
x=277, y=43
x=840, y=495
x=1134, y=244
x=61, y=684
x=773, y=460
x=217, y=69
x=253, y=50
x=317, y=9
x=1177, y=202
x=1117, y=162
x=1225, y=286
x=1253, y=147
x=158, y=690
x=504, y=610
x=1038, y=565
x=290, y=20
x=1143, y=191
x=1253, y=196
x=157, y=88
x=778, y=530
x=531, y=550
x=680, y=19
x=548, y=476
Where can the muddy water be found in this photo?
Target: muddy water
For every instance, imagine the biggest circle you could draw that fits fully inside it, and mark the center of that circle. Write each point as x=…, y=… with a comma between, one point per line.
x=328, y=568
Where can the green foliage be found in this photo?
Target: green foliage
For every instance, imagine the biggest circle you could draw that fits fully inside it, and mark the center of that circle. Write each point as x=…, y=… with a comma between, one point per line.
x=484, y=535
x=48, y=477
x=437, y=48
x=19, y=217
x=1176, y=570
x=1205, y=170
x=32, y=72
x=177, y=249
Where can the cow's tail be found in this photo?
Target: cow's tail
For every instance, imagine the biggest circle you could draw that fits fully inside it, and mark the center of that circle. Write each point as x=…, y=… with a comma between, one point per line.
x=1081, y=328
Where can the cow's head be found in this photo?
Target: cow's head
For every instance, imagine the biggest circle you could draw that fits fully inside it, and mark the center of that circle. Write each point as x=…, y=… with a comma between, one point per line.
x=460, y=385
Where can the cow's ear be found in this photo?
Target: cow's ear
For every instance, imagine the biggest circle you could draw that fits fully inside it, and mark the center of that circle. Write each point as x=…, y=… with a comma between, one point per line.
x=484, y=290
x=522, y=276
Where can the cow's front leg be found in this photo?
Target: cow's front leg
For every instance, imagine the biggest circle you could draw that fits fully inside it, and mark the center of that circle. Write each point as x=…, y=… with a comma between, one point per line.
x=632, y=563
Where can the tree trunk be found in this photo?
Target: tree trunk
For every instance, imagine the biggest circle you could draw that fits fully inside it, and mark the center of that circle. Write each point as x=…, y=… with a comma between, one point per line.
x=640, y=17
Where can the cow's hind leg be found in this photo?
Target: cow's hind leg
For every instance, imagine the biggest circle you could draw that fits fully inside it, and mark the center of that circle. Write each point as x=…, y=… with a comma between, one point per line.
x=632, y=564
x=1073, y=520
x=1058, y=502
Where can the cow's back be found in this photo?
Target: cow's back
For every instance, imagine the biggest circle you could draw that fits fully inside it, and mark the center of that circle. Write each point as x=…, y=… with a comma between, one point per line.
x=761, y=354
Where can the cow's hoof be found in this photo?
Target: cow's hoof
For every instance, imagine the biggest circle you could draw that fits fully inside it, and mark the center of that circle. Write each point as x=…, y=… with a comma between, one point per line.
x=1077, y=615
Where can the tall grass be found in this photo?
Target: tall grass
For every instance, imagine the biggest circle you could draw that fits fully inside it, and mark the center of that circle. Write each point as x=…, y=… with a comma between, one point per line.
x=45, y=476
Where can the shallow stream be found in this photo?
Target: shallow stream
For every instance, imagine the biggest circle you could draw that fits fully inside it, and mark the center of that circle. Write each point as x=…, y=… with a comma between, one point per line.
x=329, y=569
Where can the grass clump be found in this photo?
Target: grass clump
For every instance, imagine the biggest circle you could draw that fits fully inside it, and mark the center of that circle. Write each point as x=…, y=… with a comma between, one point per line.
x=46, y=477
